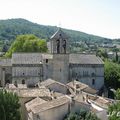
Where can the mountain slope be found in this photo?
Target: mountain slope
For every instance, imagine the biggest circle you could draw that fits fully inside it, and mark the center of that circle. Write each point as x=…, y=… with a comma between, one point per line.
x=10, y=28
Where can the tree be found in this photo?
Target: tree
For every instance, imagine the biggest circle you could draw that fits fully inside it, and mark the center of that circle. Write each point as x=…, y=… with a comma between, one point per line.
x=112, y=74
x=27, y=43
x=114, y=111
x=117, y=94
x=9, y=106
x=82, y=115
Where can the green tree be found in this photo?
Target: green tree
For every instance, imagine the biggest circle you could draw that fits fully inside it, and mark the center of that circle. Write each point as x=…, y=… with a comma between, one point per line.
x=27, y=43
x=114, y=111
x=117, y=94
x=112, y=74
x=82, y=115
x=9, y=106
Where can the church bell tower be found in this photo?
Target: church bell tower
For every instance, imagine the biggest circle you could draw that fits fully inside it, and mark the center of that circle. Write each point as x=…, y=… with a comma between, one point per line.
x=59, y=43
x=60, y=51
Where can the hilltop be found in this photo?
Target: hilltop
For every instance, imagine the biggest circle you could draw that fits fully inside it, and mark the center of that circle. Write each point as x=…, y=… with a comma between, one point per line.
x=10, y=28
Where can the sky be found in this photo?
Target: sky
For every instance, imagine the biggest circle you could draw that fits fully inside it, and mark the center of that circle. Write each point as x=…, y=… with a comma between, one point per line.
x=97, y=17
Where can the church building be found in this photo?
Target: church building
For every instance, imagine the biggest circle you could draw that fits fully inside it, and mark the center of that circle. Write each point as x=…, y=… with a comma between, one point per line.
x=59, y=64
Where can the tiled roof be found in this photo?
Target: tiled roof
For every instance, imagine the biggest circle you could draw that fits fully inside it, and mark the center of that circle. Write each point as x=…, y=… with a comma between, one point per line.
x=48, y=82
x=81, y=87
x=33, y=103
x=77, y=85
x=30, y=58
x=26, y=58
x=51, y=104
x=84, y=59
x=43, y=92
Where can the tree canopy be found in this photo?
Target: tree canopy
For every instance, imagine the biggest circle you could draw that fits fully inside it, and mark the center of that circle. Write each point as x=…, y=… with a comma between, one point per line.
x=9, y=106
x=27, y=43
x=112, y=74
x=114, y=111
x=82, y=115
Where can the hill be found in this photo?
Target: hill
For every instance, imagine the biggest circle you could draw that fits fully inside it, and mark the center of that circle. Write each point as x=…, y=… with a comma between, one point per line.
x=10, y=28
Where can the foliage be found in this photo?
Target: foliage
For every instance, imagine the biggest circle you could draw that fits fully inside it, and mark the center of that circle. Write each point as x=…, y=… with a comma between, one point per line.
x=82, y=115
x=27, y=43
x=112, y=74
x=102, y=53
x=117, y=94
x=10, y=28
x=9, y=106
x=114, y=111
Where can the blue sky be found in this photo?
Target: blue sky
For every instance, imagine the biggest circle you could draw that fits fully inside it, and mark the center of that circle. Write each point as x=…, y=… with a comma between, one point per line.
x=98, y=17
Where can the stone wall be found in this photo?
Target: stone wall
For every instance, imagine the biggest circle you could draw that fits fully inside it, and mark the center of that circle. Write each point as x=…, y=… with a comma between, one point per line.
x=61, y=67
x=31, y=75
x=92, y=75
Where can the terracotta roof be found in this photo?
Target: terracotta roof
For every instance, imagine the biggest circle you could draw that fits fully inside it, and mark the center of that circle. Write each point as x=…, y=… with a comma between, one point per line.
x=33, y=103
x=90, y=90
x=43, y=92
x=51, y=104
x=81, y=87
x=85, y=59
x=49, y=81
x=77, y=85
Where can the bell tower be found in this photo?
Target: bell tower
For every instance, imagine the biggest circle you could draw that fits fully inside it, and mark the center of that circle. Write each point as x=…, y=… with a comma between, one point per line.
x=59, y=43
x=60, y=51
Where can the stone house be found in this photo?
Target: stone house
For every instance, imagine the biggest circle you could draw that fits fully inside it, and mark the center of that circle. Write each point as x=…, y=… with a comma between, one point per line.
x=55, y=86
x=55, y=109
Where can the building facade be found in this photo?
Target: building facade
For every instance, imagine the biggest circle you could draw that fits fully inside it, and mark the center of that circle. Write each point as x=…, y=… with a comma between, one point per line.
x=58, y=64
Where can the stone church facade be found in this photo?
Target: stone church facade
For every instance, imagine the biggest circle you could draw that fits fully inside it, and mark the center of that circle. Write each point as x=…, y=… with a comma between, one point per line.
x=58, y=64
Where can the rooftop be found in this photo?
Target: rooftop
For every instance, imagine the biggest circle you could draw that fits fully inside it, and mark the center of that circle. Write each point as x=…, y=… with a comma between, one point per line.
x=51, y=104
x=81, y=87
x=33, y=103
x=49, y=81
x=26, y=58
x=41, y=92
x=59, y=34
x=85, y=59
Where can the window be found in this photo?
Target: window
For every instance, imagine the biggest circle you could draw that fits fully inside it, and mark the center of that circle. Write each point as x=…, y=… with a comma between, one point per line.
x=23, y=81
x=46, y=60
x=15, y=83
x=93, y=81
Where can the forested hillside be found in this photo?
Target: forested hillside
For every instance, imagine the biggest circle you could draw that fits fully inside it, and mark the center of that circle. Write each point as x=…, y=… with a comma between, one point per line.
x=10, y=28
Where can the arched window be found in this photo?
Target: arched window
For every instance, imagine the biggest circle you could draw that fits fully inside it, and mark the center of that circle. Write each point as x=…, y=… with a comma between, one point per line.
x=93, y=81
x=64, y=45
x=23, y=81
x=58, y=46
x=15, y=83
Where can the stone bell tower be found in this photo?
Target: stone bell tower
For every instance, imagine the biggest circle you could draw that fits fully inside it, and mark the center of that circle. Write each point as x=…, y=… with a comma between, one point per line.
x=60, y=51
